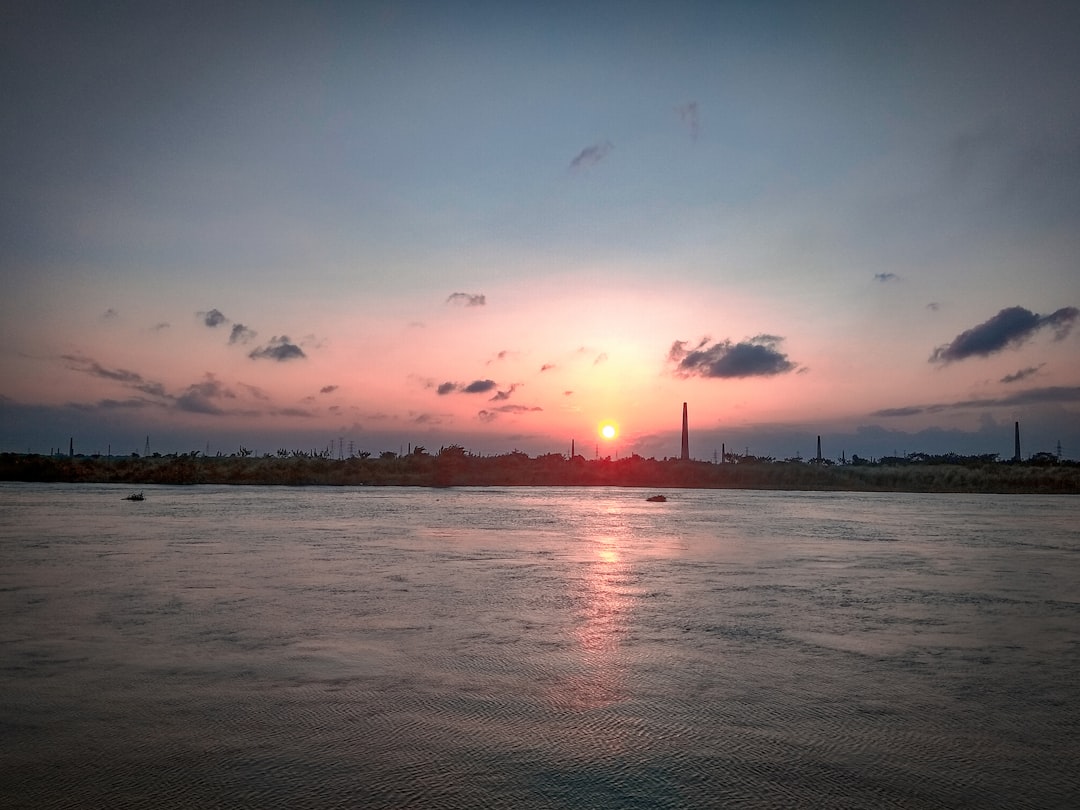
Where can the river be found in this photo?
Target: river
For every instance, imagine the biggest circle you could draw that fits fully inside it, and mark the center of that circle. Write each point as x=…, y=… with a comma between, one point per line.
x=537, y=648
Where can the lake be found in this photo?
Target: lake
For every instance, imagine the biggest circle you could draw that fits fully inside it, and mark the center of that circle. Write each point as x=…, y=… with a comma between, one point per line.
x=537, y=648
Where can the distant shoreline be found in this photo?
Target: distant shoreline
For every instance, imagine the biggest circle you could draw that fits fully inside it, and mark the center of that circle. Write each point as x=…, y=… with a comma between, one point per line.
x=518, y=469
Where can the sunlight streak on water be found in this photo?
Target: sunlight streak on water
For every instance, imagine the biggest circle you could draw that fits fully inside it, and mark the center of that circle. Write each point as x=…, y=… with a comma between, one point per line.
x=536, y=648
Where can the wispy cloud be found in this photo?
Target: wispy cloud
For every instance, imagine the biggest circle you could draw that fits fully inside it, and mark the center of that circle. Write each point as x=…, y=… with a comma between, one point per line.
x=1022, y=374
x=688, y=112
x=1050, y=395
x=547, y=367
x=600, y=358
x=328, y=389
x=504, y=395
x=1011, y=327
x=491, y=414
x=756, y=357
x=110, y=314
x=467, y=299
x=280, y=349
x=886, y=277
x=591, y=155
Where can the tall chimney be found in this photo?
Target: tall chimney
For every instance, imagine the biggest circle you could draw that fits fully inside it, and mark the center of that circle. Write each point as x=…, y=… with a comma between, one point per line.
x=685, y=436
x=71, y=446
x=1016, y=452
x=819, y=450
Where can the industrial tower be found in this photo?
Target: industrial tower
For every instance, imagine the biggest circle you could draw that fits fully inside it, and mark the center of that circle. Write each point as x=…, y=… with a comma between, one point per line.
x=685, y=456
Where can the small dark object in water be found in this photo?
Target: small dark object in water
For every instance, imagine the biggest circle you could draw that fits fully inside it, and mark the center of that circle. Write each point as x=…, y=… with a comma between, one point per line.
x=135, y=496
x=657, y=499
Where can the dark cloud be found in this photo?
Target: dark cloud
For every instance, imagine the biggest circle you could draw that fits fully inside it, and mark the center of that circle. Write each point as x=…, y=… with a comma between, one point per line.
x=504, y=395
x=479, y=387
x=467, y=299
x=688, y=112
x=756, y=357
x=933, y=306
x=591, y=155
x=212, y=318
x=547, y=367
x=1012, y=326
x=1050, y=395
x=1022, y=374
x=328, y=389
x=884, y=277
x=241, y=334
x=446, y=388
x=199, y=397
x=280, y=349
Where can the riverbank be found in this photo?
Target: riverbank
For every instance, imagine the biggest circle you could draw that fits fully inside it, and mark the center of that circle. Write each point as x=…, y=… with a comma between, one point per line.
x=518, y=469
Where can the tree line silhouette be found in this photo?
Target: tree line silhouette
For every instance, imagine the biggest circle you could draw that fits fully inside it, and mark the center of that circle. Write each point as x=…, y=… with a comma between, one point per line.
x=453, y=465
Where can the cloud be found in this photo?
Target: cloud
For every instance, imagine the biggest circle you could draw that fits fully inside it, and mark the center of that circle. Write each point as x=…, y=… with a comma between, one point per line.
x=1054, y=395
x=95, y=369
x=328, y=389
x=600, y=358
x=293, y=412
x=1022, y=374
x=756, y=357
x=110, y=314
x=157, y=327
x=688, y=112
x=241, y=334
x=213, y=318
x=1012, y=326
x=504, y=395
x=198, y=398
x=280, y=349
x=933, y=306
x=491, y=414
x=886, y=277
x=479, y=387
x=475, y=387
x=255, y=391
x=591, y=155
x=546, y=367
x=467, y=299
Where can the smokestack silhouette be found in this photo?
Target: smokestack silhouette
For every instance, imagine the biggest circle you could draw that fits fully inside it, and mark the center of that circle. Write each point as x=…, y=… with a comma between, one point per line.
x=819, y=450
x=1016, y=453
x=685, y=436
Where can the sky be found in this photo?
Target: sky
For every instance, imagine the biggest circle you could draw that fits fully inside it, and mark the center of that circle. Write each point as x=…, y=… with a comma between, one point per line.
x=377, y=225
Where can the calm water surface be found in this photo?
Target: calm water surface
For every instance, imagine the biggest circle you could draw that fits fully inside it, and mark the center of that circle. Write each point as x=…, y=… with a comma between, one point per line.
x=537, y=648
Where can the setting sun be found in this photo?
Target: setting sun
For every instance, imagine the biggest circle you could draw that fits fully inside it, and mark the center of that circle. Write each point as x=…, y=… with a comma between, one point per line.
x=608, y=431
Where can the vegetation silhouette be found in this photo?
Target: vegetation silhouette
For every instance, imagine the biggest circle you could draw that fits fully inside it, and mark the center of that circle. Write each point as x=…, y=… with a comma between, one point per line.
x=454, y=466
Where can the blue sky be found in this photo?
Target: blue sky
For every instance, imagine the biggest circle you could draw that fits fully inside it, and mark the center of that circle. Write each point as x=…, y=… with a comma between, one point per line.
x=565, y=202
